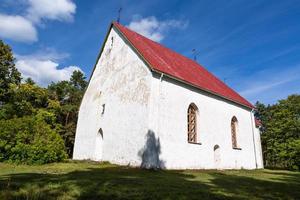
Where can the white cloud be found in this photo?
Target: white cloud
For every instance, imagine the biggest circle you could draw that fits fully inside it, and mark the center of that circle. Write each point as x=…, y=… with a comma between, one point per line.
x=43, y=70
x=45, y=54
x=154, y=29
x=22, y=28
x=17, y=28
x=61, y=10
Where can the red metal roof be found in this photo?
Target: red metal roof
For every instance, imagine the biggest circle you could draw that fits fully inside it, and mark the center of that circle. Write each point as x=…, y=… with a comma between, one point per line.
x=166, y=61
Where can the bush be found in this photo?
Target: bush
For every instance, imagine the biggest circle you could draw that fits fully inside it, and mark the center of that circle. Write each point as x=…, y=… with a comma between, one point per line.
x=30, y=140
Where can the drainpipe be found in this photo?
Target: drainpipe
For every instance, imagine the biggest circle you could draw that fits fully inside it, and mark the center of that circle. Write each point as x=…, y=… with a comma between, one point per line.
x=252, y=125
x=161, y=76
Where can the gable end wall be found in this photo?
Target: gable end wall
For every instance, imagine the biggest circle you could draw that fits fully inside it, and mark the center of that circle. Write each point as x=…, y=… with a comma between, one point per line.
x=122, y=82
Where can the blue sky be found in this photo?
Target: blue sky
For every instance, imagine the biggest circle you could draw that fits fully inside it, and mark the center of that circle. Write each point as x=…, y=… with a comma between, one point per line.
x=253, y=45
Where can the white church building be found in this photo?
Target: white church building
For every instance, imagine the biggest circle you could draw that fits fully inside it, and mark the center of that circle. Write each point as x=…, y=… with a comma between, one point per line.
x=148, y=106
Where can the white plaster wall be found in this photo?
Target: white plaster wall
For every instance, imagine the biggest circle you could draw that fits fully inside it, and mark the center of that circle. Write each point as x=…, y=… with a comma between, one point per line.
x=122, y=82
x=168, y=119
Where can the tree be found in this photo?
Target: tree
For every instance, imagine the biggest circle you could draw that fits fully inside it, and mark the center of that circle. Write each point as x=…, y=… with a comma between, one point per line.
x=281, y=133
x=78, y=80
x=25, y=99
x=68, y=95
x=29, y=81
x=37, y=124
x=8, y=72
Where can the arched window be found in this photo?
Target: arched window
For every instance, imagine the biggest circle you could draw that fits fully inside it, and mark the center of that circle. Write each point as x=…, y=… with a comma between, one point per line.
x=234, y=131
x=192, y=123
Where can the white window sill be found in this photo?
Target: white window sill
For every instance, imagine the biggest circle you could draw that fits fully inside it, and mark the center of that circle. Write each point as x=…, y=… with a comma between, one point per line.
x=236, y=148
x=195, y=143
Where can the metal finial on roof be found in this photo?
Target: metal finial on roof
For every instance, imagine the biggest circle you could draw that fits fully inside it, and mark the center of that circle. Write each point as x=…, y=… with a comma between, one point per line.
x=119, y=14
x=195, y=54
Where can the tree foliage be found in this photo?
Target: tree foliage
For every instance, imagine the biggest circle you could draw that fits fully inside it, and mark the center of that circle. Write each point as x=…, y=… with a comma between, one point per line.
x=8, y=72
x=30, y=140
x=25, y=99
x=37, y=124
x=281, y=133
x=68, y=95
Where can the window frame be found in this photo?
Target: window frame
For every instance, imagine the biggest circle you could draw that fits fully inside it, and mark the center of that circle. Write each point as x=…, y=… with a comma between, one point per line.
x=192, y=124
x=234, y=133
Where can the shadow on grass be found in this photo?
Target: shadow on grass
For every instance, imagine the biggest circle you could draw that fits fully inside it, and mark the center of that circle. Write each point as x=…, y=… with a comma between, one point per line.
x=129, y=183
x=285, y=176
x=241, y=187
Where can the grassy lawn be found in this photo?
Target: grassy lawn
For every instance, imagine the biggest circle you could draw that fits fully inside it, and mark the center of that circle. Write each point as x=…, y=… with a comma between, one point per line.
x=84, y=180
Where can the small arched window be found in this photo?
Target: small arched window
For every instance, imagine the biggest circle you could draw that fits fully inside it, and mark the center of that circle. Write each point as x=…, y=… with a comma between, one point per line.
x=234, y=131
x=192, y=123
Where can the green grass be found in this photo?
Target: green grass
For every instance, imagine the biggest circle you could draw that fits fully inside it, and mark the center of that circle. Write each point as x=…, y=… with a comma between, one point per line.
x=88, y=180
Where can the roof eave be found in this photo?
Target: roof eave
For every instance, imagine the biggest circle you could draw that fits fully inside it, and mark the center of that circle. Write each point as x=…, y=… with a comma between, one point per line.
x=203, y=89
